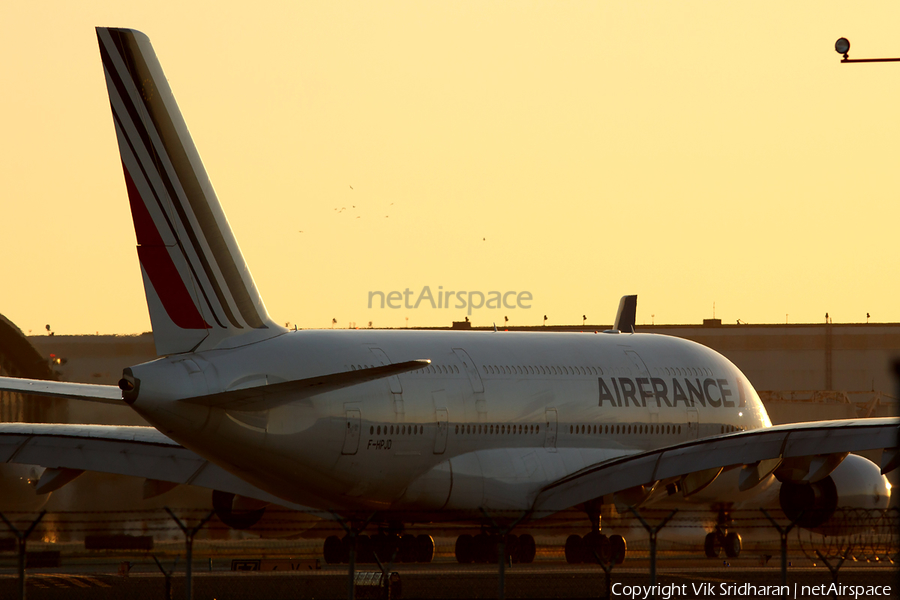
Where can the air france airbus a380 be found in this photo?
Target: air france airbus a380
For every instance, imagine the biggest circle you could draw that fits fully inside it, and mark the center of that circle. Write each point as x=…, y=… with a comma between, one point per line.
x=413, y=426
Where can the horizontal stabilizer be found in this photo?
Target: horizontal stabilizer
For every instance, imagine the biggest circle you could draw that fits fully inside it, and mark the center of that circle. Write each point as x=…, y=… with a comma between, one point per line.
x=109, y=394
x=270, y=396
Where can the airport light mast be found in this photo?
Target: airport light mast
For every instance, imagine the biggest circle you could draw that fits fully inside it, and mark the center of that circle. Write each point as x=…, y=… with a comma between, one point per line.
x=842, y=46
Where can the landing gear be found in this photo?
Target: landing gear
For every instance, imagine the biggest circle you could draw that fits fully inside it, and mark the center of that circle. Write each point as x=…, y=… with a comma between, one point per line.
x=722, y=539
x=404, y=549
x=594, y=546
x=333, y=550
x=485, y=547
x=712, y=545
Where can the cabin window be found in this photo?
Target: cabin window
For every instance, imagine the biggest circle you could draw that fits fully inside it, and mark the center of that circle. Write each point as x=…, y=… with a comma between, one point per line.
x=371, y=429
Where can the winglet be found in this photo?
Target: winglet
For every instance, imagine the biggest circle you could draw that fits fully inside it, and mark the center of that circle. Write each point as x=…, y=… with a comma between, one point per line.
x=626, y=314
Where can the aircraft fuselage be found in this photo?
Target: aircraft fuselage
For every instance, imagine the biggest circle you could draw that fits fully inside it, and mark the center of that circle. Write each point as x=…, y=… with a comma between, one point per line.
x=493, y=419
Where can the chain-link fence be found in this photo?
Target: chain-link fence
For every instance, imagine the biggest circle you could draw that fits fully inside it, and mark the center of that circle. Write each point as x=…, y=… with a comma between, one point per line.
x=286, y=554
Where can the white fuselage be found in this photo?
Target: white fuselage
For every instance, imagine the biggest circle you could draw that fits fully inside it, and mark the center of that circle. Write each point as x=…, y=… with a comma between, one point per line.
x=496, y=417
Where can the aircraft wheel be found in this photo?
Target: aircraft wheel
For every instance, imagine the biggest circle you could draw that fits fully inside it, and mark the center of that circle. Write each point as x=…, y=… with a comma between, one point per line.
x=512, y=548
x=526, y=549
x=618, y=548
x=407, y=553
x=712, y=546
x=481, y=553
x=345, y=549
x=596, y=545
x=332, y=550
x=465, y=549
x=380, y=548
x=492, y=549
x=424, y=548
x=732, y=545
x=364, y=549
x=574, y=549
x=393, y=549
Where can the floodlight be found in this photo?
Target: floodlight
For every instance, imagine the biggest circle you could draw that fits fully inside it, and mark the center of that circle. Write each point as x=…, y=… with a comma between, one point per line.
x=842, y=46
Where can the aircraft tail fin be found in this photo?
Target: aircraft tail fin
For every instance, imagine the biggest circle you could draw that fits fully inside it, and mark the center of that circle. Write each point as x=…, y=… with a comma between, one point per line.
x=199, y=289
x=626, y=315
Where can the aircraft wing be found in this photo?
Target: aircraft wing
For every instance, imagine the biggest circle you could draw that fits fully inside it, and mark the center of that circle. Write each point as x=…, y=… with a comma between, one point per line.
x=134, y=451
x=745, y=449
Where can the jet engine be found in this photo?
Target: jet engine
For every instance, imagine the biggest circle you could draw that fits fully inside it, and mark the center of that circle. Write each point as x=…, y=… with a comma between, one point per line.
x=237, y=512
x=259, y=517
x=840, y=503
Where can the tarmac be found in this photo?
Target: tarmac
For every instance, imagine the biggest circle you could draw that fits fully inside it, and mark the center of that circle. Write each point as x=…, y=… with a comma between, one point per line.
x=679, y=577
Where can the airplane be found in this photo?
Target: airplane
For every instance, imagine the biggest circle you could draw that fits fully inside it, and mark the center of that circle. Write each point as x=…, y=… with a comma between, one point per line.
x=391, y=428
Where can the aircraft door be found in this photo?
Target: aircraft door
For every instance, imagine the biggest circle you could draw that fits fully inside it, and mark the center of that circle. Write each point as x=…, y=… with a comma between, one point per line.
x=440, y=440
x=471, y=370
x=550, y=437
x=393, y=381
x=351, y=432
x=638, y=362
x=693, y=423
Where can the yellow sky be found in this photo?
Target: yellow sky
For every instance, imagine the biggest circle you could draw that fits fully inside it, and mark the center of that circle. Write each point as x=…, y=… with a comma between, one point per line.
x=691, y=152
